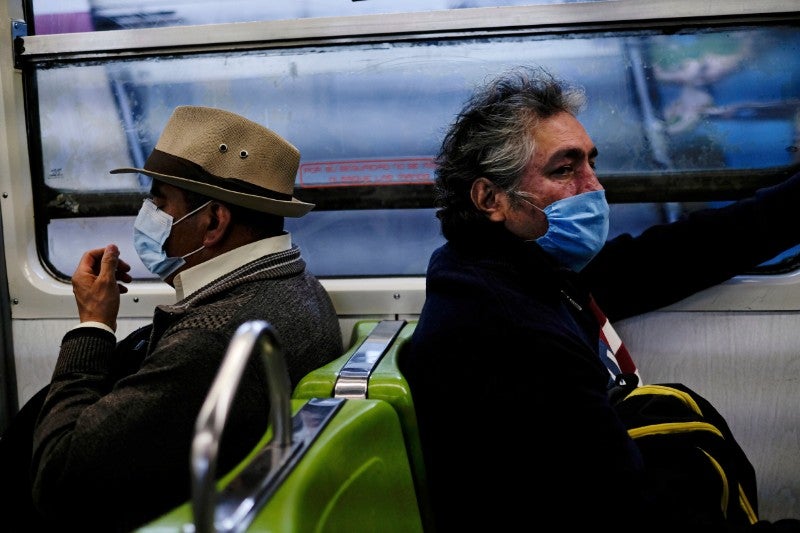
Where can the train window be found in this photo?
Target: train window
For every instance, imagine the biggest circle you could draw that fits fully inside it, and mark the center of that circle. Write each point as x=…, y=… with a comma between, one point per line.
x=65, y=16
x=683, y=119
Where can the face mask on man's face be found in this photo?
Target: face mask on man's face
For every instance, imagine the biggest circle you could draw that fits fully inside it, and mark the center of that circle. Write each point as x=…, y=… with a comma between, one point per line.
x=150, y=231
x=577, y=228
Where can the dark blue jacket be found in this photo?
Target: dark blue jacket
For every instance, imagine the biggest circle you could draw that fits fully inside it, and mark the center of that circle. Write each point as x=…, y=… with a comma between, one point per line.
x=510, y=393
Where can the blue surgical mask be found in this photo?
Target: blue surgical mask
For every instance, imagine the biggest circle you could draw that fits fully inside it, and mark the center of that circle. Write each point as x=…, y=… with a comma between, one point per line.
x=577, y=228
x=150, y=231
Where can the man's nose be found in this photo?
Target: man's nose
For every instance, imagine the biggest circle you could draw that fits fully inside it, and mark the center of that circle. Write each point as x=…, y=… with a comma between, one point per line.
x=589, y=181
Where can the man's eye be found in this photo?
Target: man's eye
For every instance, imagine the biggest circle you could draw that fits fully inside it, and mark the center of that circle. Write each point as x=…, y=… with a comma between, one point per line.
x=561, y=171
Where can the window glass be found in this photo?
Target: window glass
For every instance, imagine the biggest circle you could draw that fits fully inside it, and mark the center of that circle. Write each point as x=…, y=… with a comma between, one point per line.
x=368, y=120
x=66, y=16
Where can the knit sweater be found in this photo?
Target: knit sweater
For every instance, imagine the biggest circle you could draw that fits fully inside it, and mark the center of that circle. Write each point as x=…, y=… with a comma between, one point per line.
x=112, y=444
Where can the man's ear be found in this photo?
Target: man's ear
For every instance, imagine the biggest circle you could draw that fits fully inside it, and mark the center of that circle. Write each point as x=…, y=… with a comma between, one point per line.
x=489, y=199
x=219, y=225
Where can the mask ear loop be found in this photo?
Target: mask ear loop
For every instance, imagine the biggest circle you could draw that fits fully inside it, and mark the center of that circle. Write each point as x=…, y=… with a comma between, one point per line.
x=192, y=253
x=187, y=215
x=523, y=195
x=190, y=213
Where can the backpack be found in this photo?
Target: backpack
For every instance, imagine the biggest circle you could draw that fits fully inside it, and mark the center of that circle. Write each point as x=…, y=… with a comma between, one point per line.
x=698, y=473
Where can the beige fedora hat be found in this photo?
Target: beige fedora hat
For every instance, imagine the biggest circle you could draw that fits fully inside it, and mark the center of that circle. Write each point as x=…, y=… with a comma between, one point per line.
x=227, y=157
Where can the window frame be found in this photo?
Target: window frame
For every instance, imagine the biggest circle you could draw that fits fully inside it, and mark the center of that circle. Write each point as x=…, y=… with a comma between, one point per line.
x=568, y=19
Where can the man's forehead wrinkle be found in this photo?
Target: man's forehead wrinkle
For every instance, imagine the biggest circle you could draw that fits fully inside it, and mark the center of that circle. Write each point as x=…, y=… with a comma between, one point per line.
x=573, y=152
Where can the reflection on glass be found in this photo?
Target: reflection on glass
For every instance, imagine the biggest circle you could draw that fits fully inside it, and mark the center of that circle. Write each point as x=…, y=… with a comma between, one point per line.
x=374, y=114
x=728, y=99
x=66, y=16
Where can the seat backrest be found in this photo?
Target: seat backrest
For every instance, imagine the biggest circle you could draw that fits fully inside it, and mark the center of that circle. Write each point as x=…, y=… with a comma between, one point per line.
x=370, y=370
x=335, y=464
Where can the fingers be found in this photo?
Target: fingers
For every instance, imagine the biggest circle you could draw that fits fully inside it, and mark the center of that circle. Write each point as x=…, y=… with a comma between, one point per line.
x=89, y=262
x=122, y=272
x=96, y=285
x=114, y=268
x=108, y=264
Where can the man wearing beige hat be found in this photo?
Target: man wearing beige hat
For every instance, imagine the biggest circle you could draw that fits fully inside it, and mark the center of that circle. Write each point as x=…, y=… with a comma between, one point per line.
x=111, y=445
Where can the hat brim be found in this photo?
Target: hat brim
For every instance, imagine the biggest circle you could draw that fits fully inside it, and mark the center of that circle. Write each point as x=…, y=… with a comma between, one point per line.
x=284, y=208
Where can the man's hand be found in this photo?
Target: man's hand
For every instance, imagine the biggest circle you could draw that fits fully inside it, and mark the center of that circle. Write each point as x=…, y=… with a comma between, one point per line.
x=96, y=286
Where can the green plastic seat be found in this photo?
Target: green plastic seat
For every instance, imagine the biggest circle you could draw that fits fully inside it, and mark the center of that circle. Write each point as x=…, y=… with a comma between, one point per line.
x=385, y=383
x=334, y=464
x=355, y=477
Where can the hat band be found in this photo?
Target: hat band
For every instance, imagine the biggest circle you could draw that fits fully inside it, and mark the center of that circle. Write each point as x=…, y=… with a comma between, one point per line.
x=172, y=165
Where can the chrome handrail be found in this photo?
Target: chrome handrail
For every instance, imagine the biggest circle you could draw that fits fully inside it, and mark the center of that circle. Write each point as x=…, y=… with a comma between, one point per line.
x=249, y=337
x=353, y=379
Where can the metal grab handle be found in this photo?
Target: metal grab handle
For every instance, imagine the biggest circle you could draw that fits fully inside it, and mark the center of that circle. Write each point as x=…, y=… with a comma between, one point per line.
x=353, y=379
x=250, y=336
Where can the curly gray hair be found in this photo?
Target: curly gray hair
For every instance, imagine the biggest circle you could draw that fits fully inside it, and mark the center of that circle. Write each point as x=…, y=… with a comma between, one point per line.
x=491, y=137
